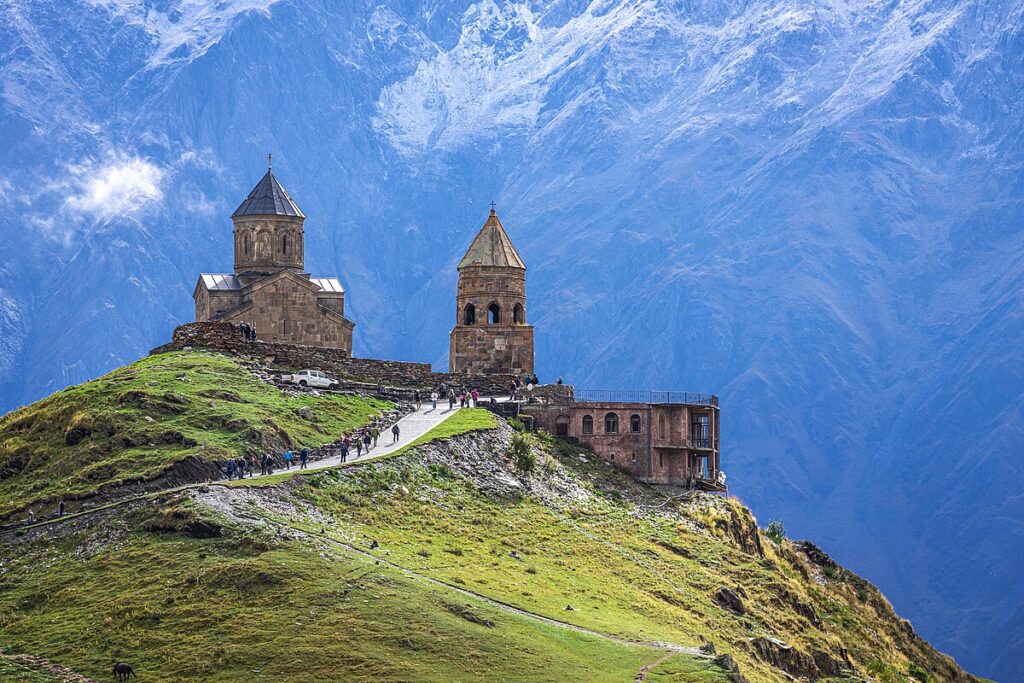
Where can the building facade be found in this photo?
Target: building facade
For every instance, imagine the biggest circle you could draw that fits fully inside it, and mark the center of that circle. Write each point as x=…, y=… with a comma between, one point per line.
x=269, y=288
x=672, y=438
x=491, y=335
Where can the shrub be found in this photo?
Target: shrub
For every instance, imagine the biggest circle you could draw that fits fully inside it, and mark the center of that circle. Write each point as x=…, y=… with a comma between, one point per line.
x=525, y=459
x=516, y=425
x=917, y=673
x=862, y=595
x=776, y=531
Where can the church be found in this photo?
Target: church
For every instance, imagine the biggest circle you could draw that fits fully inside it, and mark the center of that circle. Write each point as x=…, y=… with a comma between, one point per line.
x=269, y=288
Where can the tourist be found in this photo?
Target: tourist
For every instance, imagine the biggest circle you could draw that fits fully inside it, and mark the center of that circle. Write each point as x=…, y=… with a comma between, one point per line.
x=303, y=458
x=60, y=508
x=394, y=433
x=263, y=464
x=359, y=446
x=366, y=441
x=451, y=399
x=288, y=460
x=346, y=443
x=433, y=400
x=240, y=467
x=244, y=329
x=376, y=434
x=231, y=468
x=416, y=398
x=380, y=388
x=475, y=395
x=512, y=390
x=252, y=331
x=31, y=516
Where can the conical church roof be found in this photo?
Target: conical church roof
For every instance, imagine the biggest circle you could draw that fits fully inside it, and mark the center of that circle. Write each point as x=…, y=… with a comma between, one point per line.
x=492, y=247
x=268, y=198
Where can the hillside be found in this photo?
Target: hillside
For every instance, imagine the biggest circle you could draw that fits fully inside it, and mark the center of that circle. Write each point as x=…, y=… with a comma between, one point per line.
x=475, y=553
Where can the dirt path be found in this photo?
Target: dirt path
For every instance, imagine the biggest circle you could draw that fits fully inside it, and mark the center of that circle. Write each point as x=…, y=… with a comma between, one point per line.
x=45, y=666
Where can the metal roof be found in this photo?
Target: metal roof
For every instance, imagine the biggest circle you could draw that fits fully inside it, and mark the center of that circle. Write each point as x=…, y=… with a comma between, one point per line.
x=328, y=284
x=492, y=247
x=268, y=198
x=221, y=281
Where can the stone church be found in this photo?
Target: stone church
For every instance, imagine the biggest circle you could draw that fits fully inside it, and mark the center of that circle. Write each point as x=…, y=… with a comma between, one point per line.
x=269, y=288
x=491, y=335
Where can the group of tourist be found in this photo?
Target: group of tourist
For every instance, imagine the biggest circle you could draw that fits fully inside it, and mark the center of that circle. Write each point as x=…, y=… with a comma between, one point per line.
x=467, y=398
x=248, y=331
x=366, y=439
x=237, y=468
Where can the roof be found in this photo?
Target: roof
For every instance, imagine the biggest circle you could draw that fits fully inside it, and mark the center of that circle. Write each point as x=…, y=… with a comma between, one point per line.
x=220, y=281
x=492, y=247
x=268, y=198
x=328, y=284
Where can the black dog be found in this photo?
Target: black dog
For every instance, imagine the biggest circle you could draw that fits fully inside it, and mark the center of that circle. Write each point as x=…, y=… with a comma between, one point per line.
x=123, y=671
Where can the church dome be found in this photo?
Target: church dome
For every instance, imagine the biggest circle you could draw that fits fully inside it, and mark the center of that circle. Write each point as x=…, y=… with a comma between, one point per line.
x=268, y=198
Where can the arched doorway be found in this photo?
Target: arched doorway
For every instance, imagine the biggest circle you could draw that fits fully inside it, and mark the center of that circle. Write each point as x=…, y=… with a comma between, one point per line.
x=562, y=425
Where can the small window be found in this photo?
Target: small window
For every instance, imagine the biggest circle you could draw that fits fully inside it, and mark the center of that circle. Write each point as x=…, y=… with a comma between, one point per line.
x=611, y=457
x=518, y=314
x=469, y=315
x=588, y=424
x=661, y=426
x=632, y=457
x=611, y=423
x=634, y=424
x=661, y=459
x=494, y=314
x=284, y=244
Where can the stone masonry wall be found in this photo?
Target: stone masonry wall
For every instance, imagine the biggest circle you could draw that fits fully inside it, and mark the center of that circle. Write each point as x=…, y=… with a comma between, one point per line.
x=223, y=336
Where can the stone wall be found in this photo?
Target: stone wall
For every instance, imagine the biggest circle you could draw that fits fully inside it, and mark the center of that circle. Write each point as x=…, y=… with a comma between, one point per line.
x=223, y=336
x=484, y=349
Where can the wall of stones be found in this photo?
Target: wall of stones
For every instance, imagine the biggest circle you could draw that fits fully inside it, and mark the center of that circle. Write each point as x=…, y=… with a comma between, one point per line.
x=225, y=337
x=483, y=349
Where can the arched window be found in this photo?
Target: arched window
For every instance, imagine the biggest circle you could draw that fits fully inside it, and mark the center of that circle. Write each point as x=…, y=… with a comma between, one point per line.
x=634, y=424
x=588, y=424
x=494, y=314
x=611, y=423
x=562, y=425
x=661, y=426
x=519, y=314
x=284, y=244
x=469, y=314
x=246, y=243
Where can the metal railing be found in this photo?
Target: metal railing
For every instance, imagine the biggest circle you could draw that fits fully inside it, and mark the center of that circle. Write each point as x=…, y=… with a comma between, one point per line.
x=645, y=396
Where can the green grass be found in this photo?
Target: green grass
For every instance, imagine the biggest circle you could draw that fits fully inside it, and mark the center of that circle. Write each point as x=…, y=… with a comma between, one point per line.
x=252, y=607
x=15, y=672
x=136, y=422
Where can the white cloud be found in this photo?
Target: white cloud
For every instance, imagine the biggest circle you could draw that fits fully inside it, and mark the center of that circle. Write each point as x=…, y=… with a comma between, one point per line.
x=119, y=186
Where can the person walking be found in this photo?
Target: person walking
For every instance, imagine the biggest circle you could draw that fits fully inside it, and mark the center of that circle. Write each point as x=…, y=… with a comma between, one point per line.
x=433, y=399
x=231, y=469
x=451, y=399
x=288, y=460
x=60, y=508
x=240, y=467
x=366, y=441
x=31, y=516
x=380, y=388
x=394, y=433
x=476, y=396
x=263, y=464
x=303, y=458
x=512, y=390
x=376, y=435
x=416, y=398
x=359, y=446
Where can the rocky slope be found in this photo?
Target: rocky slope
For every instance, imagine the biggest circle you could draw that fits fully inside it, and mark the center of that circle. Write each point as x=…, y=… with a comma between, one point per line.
x=810, y=208
x=484, y=555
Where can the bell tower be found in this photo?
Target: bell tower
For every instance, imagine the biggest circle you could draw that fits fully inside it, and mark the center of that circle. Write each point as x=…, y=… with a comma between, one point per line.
x=491, y=335
x=269, y=236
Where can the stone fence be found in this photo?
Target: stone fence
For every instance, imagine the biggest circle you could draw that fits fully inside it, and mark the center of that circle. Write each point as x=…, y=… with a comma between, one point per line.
x=225, y=337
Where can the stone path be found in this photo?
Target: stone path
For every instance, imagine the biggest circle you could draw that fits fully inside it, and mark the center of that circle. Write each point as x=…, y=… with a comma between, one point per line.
x=412, y=426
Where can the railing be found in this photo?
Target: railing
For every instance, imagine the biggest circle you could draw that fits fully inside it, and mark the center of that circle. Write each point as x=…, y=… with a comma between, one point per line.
x=644, y=396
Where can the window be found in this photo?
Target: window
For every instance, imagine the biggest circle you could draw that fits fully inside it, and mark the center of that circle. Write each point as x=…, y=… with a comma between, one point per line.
x=611, y=457
x=246, y=243
x=284, y=244
x=634, y=424
x=632, y=456
x=661, y=459
x=699, y=432
x=588, y=424
x=519, y=314
x=494, y=314
x=611, y=423
x=469, y=314
x=661, y=426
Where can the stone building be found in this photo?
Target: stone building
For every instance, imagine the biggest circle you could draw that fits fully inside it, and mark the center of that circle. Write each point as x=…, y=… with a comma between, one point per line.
x=657, y=437
x=491, y=335
x=269, y=288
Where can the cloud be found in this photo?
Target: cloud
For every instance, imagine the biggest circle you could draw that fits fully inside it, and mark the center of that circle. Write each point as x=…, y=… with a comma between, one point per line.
x=119, y=186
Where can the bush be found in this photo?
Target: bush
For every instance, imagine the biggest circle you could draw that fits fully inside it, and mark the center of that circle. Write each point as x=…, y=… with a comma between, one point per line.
x=918, y=673
x=516, y=425
x=526, y=460
x=776, y=531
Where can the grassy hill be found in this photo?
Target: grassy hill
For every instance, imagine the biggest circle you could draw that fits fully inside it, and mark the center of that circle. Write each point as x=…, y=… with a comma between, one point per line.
x=163, y=417
x=479, y=554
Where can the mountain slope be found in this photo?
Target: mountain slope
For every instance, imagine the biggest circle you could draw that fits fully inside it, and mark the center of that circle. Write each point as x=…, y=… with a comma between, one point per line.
x=811, y=209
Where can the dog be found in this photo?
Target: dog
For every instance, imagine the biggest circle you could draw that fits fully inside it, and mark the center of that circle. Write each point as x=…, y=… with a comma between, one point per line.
x=122, y=671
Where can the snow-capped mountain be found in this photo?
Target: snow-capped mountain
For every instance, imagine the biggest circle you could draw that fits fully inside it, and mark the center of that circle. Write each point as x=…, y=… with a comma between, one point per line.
x=813, y=209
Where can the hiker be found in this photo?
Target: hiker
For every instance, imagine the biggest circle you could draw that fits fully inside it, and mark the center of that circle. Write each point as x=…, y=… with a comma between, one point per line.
x=240, y=467
x=303, y=458
x=442, y=389
x=380, y=388
x=394, y=433
x=359, y=446
x=263, y=464
x=244, y=329
x=433, y=400
x=451, y=399
x=416, y=398
x=375, y=433
x=231, y=469
x=366, y=441
x=31, y=516
x=476, y=396
x=288, y=460
x=60, y=508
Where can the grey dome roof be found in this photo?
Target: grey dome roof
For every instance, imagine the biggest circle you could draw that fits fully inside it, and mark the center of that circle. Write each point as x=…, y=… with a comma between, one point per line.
x=268, y=198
